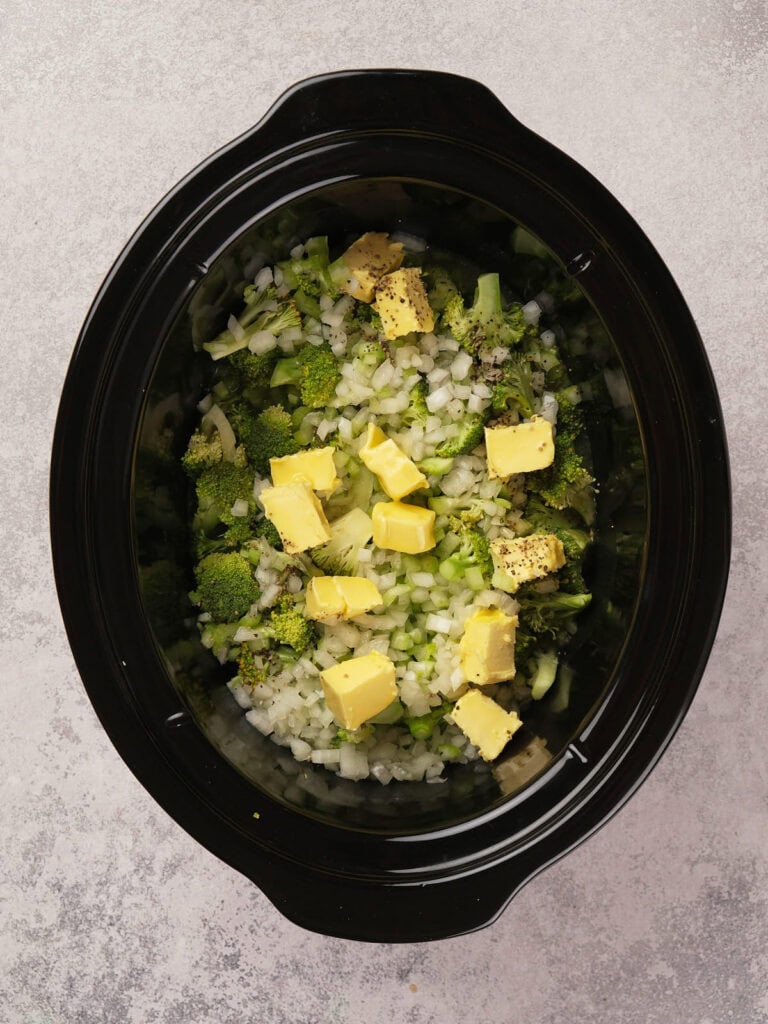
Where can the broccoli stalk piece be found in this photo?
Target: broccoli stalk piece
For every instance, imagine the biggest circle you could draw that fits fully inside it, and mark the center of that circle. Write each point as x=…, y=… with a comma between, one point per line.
x=233, y=538
x=544, y=674
x=310, y=274
x=349, y=533
x=226, y=588
x=485, y=324
x=435, y=466
x=369, y=355
x=514, y=387
x=472, y=561
x=314, y=370
x=421, y=727
x=287, y=625
x=218, y=488
x=202, y=452
x=469, y=437
x=273, y=320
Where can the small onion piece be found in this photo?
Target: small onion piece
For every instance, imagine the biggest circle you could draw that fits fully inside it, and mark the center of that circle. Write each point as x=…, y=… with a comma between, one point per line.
x=226, y=433
x=233, y=325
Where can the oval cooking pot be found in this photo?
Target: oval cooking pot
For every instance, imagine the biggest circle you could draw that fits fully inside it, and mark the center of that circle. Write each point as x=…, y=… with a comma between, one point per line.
x=438, y=156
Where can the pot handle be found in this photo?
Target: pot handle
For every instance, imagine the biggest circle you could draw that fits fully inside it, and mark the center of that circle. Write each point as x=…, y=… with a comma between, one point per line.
x=436, y=103
x=397, y=911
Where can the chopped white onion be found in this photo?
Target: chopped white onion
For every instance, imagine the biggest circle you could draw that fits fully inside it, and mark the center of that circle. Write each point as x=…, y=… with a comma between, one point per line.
x=261, y=342
x=216, y=416
x=547, y=339
x=461, y=365
x=263, y=279
x=233, y=325
x=438, y=399
x=239, y=508
x=438, y=623
x=531, y=312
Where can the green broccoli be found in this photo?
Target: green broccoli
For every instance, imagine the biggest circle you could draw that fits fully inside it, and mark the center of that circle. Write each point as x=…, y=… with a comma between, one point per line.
x=233, y=538
x=564, y=524
x=469, y=437
x=369, y=355
x=417, y=412
x=273, y=320
x=472, y=560
x=349, y=533
x=547, y=613
x=314, y=370
x=266, y=529
x=265, y=435
x=514, y=385
x=566, y=483
x=440, y=288
x=247, y=670
x=202, y=452
x=436, y=466
x=218, y=488
x=352, y=735
x=310, y=273
x=421, y=727
x=288, y=626
x=225, y=586
x=253, y=371
x=486, y=324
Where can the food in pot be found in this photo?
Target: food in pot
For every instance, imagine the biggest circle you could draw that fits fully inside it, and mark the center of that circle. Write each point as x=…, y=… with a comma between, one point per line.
x=393, y=503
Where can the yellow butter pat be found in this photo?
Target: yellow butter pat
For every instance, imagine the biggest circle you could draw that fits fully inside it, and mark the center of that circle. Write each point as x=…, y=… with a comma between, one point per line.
x=402, y=303
x=357, y=689
x=487, y=648
x=485, y=723
x=344, y=596
x=297, y=514
x=314, y=467
x=519, y=449
x=406, y=528
x=368, y=260
x=523, y=559
x=397, y=474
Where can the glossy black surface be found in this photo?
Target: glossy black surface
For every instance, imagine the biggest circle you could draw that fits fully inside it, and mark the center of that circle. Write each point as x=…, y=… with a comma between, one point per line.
x=439, y=156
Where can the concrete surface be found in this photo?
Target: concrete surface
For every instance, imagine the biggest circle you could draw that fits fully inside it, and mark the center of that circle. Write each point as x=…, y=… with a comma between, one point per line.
x=109, y=912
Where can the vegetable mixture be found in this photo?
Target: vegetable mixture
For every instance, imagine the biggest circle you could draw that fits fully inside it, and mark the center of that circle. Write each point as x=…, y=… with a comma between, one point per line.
x=393, y=501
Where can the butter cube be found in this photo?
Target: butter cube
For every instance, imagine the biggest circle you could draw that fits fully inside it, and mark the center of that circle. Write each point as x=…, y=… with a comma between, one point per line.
x=368, y=260
x=402, y=304
x=297, y=514
x=357, y=689
x=345, y=596
x=485, y=723
x=487, y=648
x=519, y=449
x=524, y=559
x=397, y=474
x=406, y=528
x=314, y=467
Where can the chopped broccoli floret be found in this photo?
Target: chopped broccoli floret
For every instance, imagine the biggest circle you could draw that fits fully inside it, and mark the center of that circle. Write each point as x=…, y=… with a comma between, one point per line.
x=470, y=435
x=310, y=273
x=265, y=435
x=436, y=466
x=349, y=533
x=247, y=670
x=289, y=626
x=417, y=412
x=566, y=483
x=266, y=529
x=567, y=526
x=202, y=452
x=544, y=673
x=233, y=538
x=440, y=287
x=515, y=385
x=314, y=370
x=225, y=586
x=474, y=553
x=218, y=488
x=546, y=613
x=261, y=314
x=254, y=371
x=485, y=324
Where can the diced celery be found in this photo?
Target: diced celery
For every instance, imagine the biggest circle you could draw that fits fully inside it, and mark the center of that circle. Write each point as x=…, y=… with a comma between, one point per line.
x=473, y=577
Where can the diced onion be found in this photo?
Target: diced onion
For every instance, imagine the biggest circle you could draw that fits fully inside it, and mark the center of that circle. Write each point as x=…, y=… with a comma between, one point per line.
x=226, y=433
x=438, y=399
x=531, y=312
x=240, y=508
x=438, y=623
x=261, y=342
x=233, y=325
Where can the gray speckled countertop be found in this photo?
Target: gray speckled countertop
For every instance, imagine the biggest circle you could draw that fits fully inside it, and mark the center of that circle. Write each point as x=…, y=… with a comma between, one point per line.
x=108, y=911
